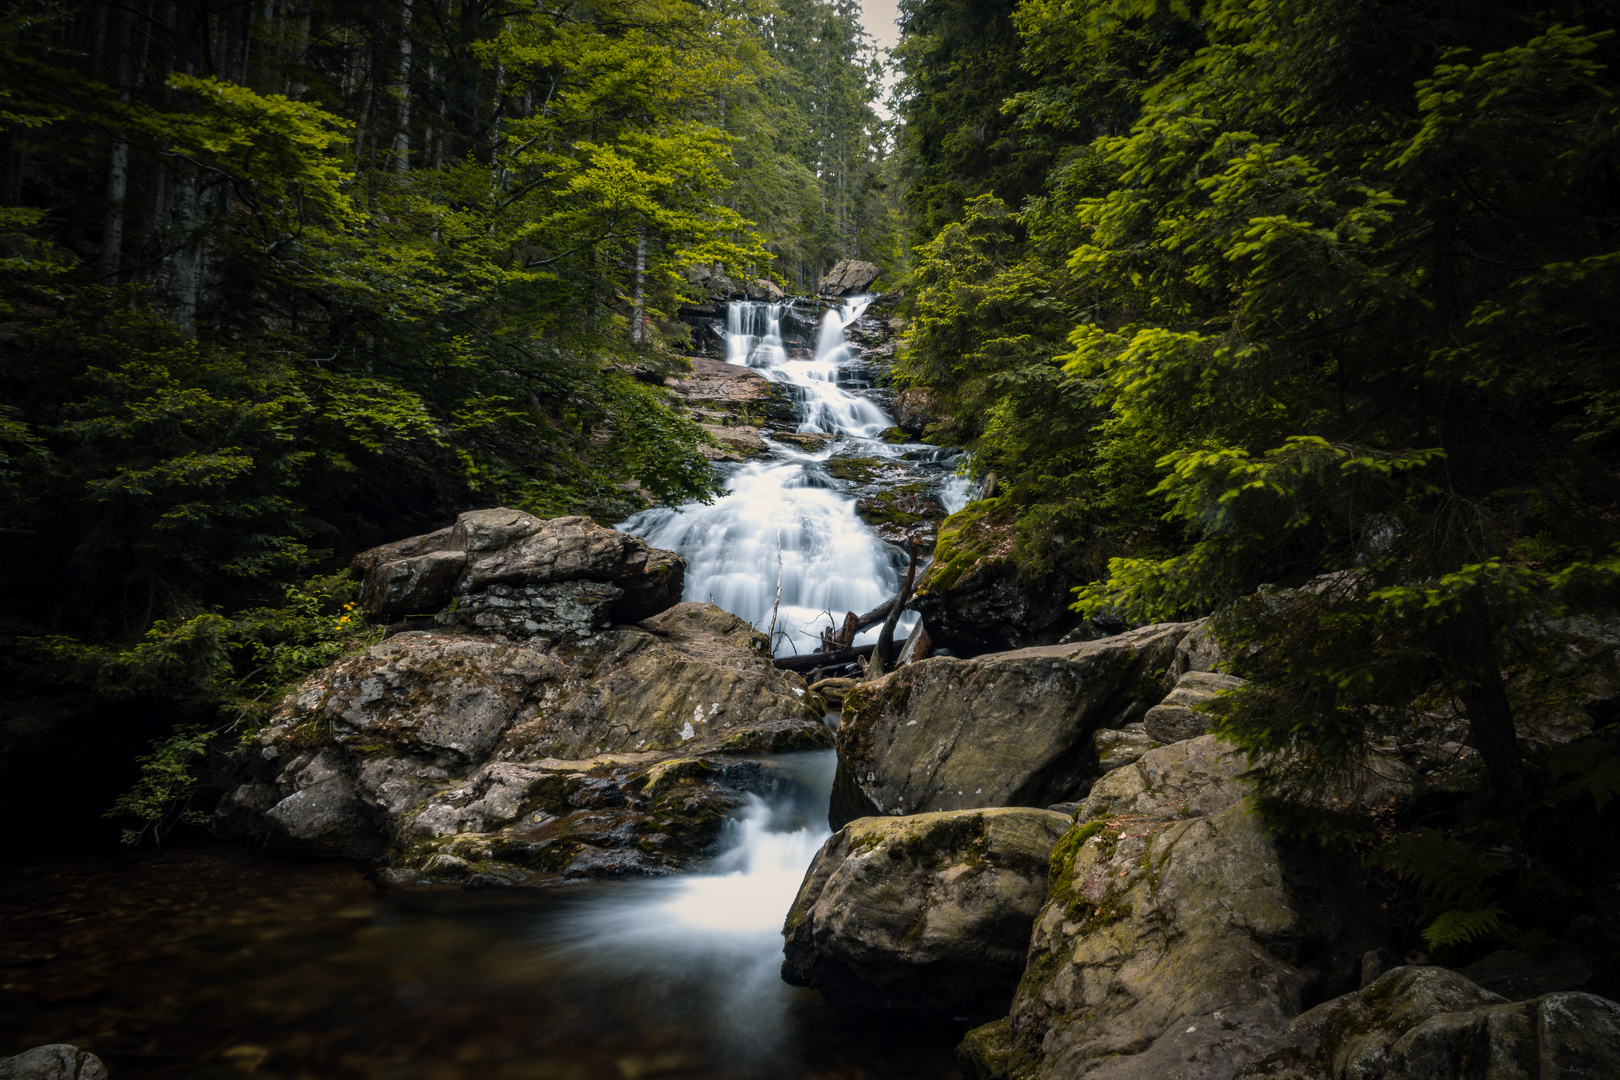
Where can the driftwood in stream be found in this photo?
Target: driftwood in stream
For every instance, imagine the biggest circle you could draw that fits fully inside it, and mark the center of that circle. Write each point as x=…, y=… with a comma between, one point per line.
x=918, y=646
x=832, y=641
x=885, y=641
x=811, y=661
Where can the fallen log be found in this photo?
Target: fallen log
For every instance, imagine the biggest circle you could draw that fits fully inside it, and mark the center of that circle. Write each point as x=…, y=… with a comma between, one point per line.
x=811, y=661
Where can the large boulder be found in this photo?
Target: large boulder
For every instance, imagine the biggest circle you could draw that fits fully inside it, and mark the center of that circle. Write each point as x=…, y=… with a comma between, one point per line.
x=1423, y=1023
x=929, y=913
x=730, y=395
x=458, y=757
x=1179, y=936
x=989, y=606
x=848, y=277
x=915, y=409
x=1004, y=729
x=57, y=1061
x=512, y=573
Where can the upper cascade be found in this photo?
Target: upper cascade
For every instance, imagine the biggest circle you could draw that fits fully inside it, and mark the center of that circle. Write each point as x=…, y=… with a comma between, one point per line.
x=754, y=338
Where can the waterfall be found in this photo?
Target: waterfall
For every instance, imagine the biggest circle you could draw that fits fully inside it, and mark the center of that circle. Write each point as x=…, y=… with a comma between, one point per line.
x=783, y=515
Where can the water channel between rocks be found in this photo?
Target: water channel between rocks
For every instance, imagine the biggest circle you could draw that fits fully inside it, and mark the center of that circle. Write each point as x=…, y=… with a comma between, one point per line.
x=216, y=963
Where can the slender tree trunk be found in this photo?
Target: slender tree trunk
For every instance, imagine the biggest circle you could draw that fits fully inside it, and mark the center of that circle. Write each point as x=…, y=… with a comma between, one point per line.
x=402, y=138
x=638, y=331
x=186, y=278
x=1493, y=733
x=112, y=233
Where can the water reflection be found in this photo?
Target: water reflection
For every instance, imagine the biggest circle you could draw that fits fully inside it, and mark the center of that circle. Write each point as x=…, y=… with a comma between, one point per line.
x=212, y=963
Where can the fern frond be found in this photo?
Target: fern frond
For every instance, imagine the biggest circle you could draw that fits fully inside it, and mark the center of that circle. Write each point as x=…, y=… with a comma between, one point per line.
x=1458, y=927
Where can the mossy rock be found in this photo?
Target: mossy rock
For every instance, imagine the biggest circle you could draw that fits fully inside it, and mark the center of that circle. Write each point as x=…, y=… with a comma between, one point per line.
x=854, y=470
x=905, y=505
x=894, y=435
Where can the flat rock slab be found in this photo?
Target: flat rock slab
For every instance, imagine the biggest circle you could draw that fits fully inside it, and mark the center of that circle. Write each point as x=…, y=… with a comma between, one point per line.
x=928, y=913
x=1005, y=729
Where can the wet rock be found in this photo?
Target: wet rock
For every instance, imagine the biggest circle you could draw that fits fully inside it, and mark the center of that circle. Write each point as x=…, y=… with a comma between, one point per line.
x=1175, y=718
x=578, y=549
x=929, y=913
x=487, y=530
x=429, y=692
x=767, y=290
x=1005, y=729
x=692, y=678
x=897, y=498
x=1118, y=747
x=848, y=277
x=804, y=440
x=1424, y=1023
x=1179, y=937
x=736, y=443
x=530, y=762
x=1198, y=651
x=402, y=549
x=57, y=1061
x=324, y=813
x=571, y=608
x=915, y=409
x=728, y=394
x=416, y=585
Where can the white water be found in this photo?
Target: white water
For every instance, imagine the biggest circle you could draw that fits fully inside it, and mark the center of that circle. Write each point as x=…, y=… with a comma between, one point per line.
x=714, y=940
x=782, y=517
x=710, y=945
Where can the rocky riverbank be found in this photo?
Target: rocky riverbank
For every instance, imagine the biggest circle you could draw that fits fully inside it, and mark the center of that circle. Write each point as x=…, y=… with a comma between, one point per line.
x=515, y=727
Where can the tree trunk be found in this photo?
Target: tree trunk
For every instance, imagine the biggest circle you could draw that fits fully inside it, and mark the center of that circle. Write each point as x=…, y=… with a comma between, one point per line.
x=112, y=232
x=1494, y=735
x=638, y=331
x=402, y=138
x=885, y=641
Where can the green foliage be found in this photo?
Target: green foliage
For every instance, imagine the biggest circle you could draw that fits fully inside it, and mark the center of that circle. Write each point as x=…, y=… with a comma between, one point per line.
x=1455, y=878
x=166, y=781
x=278, y=288
x=1587, y=766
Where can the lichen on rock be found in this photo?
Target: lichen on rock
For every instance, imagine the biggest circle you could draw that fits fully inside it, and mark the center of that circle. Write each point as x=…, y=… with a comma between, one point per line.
x=1178, y=932
x=928, y=913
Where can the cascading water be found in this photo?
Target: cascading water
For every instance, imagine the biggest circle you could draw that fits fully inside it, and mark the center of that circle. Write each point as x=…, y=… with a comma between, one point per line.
x=708, y=947
x=783, y=516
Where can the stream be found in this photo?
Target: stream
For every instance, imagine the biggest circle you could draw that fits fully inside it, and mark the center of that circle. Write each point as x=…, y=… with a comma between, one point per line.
x=217, y=962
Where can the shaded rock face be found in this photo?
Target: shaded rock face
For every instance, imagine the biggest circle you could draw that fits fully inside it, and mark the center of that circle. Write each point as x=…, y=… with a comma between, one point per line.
x=1418, y=1023
x=929, y=913
x=848, y=277
x=58, y=1061
x=1005, y=729
x=1179, y=937
x=1175, y=718
x=465, y=758
x=508, y=570
x=988, y=608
